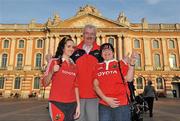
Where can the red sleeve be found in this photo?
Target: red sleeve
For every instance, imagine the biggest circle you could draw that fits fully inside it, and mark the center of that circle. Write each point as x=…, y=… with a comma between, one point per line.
x=95, y=71
x=48, y=69
x=76, y=79
x=124, y=68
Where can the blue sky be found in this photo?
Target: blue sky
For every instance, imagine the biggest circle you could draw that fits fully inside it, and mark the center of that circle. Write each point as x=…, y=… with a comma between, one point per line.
x=155, y=11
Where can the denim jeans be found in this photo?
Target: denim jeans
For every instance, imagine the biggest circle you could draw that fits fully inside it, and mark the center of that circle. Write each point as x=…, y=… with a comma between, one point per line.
x=121, y=113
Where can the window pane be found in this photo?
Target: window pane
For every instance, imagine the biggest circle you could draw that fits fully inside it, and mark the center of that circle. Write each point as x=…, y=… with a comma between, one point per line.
x=1, y=82
x=111, y=40
x=155, y=44
x=36, y=83
x=139, y=82
x=159, y=82
x=21, y=44
x=171, y=44
x=138, y=61
x=6, y=43
x=136, y=43
x=39, y=43
x=157, y=60
x=172, y=61
x=17, y=83
x=38, y=60
x=19, y=60
x=4, y=60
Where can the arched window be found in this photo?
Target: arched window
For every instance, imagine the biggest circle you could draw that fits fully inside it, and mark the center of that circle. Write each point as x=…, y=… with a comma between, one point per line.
x=2, y=82
x=136, y=43
x=6, y=44
x=36, y=83
x=155, y=44
x=159, y=82
x=21, y=43
x=171, y=44
x=138, y=61
x=111, y=40
x=4, y=60
x=139, y=83
x=38, y=60
x=157, y=61
x=172, y=61
x=17, y=83
x=39, y=43
x=19, y=60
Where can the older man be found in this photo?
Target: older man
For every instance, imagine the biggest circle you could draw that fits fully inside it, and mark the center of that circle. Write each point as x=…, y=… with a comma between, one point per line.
x=86, y=56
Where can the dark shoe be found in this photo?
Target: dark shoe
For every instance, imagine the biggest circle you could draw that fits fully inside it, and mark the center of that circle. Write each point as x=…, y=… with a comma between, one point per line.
x=151, y=115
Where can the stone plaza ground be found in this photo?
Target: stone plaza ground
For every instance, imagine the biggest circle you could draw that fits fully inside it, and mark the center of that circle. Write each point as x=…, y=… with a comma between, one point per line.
x=35, y=110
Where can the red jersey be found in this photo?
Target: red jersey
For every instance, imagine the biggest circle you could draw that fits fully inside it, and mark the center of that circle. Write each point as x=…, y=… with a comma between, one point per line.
x=63, y=82
x=86, y=63
x=110, y=81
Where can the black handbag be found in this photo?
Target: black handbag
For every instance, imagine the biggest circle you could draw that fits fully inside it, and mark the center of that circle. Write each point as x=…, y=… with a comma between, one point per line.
x=136, y=114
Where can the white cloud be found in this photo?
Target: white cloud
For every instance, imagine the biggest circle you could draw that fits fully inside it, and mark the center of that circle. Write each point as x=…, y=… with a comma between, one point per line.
x=153, y=2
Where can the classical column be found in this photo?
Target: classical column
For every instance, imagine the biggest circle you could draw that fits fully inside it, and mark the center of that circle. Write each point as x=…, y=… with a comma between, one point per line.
x=78, y=39
x=178, y=57
x=98, y=41
x=11, y=54
x=51, y=43
x=29, y=58
x=127, y=45
x=147, y=54
x=119, y=47
x=165, y=54
x=103, y=38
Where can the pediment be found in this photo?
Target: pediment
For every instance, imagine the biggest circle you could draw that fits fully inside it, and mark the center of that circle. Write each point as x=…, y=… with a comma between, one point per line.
x=81, y=21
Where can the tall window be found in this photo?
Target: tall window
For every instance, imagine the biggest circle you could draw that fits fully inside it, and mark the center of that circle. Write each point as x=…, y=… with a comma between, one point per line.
x=138, y=61
x=38, y=60
x=17, y=83
x=139, y=83
x=155, y=44
x=172, y=61
x=19, y=60
x=39, y=43
x=159, y=82
x=171, y=44
x=2, y=82
x=6, y=44
x=21, y=43
x=4, y=60
x=111, y=40
x=36, y=82
x=157, y=61
x=136, y=43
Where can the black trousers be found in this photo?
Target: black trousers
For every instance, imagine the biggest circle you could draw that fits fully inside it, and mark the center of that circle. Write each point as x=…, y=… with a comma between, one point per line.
x=150, y=101
x=67, y=108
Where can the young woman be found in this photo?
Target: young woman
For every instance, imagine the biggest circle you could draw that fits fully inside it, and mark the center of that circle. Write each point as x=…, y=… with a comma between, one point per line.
x=61, y=72
x=109, y=85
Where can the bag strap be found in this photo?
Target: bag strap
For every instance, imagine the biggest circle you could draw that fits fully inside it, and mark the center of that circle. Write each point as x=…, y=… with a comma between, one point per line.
x=122, y=77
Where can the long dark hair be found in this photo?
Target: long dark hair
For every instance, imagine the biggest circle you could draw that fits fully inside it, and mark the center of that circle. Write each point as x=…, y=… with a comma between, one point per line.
x=60, y=48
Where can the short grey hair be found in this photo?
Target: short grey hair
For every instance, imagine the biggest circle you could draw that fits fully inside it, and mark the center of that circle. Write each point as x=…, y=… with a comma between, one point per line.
x=90, y=26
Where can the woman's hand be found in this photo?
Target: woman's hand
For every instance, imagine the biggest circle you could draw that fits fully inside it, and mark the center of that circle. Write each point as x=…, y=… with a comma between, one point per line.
x=77, y=113
x=56, y=68
x=112, y=102
x=133, y=57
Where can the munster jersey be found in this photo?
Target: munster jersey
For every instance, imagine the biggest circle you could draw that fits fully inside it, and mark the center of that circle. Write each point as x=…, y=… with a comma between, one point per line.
x=63, y=82
x=86, y=62
x=110, y=81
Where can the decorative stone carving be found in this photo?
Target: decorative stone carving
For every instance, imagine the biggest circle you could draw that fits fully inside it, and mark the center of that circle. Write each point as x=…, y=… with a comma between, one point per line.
x=88, y=9
x=122, y=19
x=144, y=23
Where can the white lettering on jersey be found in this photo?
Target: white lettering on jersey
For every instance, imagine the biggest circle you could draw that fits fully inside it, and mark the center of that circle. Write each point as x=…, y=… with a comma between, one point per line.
x=69, y=73
x=107, y=73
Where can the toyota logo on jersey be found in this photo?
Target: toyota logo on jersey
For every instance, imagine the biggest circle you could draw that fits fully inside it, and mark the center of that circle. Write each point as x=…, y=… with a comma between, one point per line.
x=105, y=73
